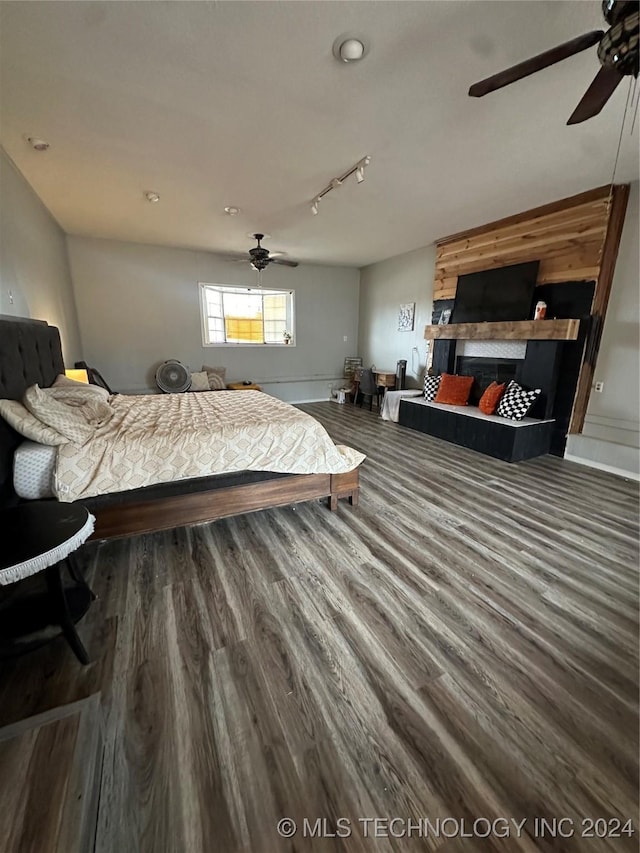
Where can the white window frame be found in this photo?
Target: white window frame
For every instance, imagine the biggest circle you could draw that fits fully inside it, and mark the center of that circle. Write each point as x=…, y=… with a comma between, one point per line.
x=204, y=316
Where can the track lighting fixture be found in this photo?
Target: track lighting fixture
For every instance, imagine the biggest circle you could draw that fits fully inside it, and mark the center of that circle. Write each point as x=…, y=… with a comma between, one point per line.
x=357, y=170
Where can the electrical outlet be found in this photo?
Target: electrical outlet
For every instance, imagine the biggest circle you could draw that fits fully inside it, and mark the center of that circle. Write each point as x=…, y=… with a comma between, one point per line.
x=10, y=292
x=345, y=339
x=599, y=387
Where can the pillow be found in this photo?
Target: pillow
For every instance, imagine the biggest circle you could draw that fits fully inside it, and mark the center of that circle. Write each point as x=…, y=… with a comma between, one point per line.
x=62, y=381
x=200, y=382
x=89, y=400
x=491, y=397
x=454, y=390
x=67, y=420
x=216, y=377
x=516, y=402
x=29, y=426
x=431, y=385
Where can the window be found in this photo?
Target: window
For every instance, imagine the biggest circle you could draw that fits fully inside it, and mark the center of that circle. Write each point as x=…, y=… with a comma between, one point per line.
x=246, y=315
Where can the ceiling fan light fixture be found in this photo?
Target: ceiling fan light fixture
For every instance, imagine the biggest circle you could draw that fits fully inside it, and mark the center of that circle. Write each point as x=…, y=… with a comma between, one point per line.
x=619, y=47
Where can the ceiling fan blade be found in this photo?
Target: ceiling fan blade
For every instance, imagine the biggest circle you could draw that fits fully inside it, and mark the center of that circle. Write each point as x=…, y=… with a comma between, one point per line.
x=603, y=86
x=283, y=262
x=536, y=63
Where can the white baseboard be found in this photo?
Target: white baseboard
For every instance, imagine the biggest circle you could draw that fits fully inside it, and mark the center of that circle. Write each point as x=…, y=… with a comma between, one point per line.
x=590, y=463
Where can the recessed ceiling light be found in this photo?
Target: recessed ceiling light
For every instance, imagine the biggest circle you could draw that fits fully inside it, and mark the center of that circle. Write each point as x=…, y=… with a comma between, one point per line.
x=37, y=144
x=350, y=48
x=232, y=211
x=152, y=197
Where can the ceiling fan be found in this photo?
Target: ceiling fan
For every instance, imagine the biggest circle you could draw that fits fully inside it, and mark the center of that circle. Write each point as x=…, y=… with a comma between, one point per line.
x=259, y=257
x=617, y=52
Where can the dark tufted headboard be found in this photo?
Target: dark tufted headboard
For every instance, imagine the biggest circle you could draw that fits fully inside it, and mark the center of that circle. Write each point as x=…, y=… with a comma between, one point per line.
x=30, y=352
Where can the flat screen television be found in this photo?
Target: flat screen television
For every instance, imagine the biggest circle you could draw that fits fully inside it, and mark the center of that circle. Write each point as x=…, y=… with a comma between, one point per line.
x=495, y=295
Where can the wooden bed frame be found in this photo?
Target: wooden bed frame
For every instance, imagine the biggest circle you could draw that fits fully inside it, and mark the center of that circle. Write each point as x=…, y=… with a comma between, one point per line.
x=30, y=352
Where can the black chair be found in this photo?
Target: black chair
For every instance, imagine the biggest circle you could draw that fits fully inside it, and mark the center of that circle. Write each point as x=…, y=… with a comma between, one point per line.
x=94, y=375
x=368, y=387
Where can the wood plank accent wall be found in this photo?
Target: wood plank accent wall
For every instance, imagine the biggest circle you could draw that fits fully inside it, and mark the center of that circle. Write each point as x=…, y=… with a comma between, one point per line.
x=566, y=236
x=575, y=239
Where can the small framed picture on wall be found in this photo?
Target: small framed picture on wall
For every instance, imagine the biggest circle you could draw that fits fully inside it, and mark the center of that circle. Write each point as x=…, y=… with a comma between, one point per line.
x=445, y=317
x=405, y=317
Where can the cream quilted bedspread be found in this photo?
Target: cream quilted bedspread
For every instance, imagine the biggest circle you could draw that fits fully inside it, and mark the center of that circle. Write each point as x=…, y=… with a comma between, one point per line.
x=158, y=438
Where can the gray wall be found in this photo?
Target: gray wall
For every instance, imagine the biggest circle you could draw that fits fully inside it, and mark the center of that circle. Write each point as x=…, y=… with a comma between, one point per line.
x=138, y=305
x=34, y=271
x=383, y=288
x=611, y=435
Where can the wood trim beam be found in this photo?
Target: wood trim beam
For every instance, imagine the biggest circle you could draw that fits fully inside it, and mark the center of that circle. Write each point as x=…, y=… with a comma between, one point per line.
x=618, y=209
x=521, y=330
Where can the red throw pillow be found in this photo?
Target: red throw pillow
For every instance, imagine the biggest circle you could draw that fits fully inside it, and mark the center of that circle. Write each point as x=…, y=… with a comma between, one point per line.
x=454, y=390
x=491, y=397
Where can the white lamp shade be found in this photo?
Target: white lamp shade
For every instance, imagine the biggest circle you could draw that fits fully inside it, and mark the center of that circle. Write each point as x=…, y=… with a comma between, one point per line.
x=77, y=375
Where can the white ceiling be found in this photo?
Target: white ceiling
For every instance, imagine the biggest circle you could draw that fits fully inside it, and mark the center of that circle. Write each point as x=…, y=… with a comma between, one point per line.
x=242, y=103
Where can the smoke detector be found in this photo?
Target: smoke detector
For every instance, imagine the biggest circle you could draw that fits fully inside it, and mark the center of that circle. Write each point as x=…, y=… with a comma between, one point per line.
x=152, y=197
x=38, y=144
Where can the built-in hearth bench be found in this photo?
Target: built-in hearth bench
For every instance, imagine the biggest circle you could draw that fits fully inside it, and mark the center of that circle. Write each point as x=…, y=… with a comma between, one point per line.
x=512, y=441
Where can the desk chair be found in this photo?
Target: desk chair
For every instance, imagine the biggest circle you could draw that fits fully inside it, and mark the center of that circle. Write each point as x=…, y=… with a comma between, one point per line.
x=368, y=388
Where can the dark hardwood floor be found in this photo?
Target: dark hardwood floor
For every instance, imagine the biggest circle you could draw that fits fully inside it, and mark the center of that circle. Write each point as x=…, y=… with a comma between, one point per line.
x=462, y=645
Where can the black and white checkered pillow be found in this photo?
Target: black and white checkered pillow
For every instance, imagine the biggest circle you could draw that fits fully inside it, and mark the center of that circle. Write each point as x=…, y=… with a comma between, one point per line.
x=431, y=385
x=516, y=402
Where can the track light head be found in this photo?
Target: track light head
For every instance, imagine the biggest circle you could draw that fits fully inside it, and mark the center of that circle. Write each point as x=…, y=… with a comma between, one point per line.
x=361, y=167
x=314, y=206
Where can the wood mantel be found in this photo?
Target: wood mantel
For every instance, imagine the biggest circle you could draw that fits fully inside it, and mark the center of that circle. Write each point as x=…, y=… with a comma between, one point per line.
x=515, y=330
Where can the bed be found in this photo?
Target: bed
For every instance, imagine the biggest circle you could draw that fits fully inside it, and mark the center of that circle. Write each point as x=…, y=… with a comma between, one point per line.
x=30, y=353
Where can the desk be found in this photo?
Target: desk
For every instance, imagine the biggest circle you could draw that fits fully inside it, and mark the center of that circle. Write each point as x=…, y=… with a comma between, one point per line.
x=240, y=386
x=385, y=379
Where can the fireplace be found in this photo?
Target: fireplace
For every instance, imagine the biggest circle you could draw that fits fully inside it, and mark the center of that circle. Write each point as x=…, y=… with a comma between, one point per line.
x=486, y=371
